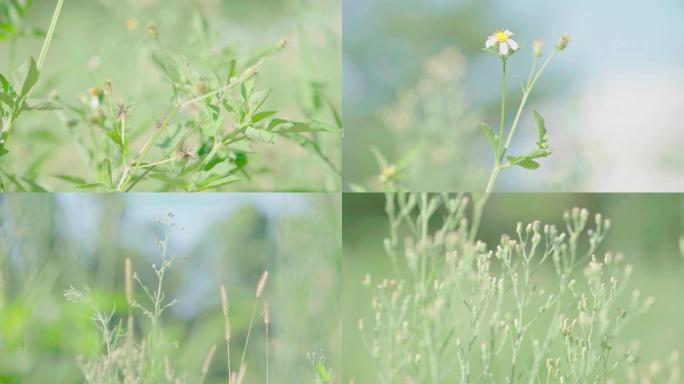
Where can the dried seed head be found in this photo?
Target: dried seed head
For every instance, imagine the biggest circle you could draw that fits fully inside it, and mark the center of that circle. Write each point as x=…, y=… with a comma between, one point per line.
x=224, y=301
x=199, y=88
x=153, y=31
x=128, y=276
x=282, y=44
x=262, y=284
x=267, y=313
x=563, y=42
x=122, y=112
x=108, y=87
x=207, y=360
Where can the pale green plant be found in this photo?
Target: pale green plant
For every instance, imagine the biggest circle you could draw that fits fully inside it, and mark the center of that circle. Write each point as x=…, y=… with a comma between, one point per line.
x=217, y=118
x=458, y=309
x=141, y=352
x=501, y=141
x=15, y=96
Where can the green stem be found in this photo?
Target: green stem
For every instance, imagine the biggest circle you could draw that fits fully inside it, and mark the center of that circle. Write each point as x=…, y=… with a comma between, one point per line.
x=492, y=178
x=526, y=95
x=500, y=154
x=48, y=37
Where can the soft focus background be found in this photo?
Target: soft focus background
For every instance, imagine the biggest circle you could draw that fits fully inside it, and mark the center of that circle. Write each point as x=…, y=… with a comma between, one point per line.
x=51, y=242
x=107, y=39
x=645, y=227
x=414, y=71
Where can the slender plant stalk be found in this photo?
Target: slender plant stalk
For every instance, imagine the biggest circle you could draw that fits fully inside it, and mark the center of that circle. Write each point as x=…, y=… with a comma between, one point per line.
x=48, y=36
x=502, y=147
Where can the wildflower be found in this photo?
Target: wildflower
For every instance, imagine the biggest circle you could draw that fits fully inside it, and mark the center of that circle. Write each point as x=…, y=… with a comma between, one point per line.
x=502, y=39
x=94, y=98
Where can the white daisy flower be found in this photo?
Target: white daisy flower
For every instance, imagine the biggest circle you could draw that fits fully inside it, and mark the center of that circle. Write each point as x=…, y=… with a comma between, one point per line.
x=502, y=38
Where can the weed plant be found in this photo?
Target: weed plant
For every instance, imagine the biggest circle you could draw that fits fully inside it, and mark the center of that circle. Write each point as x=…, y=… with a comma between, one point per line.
x=136, y=348
x=217, y=117
x=459, y=310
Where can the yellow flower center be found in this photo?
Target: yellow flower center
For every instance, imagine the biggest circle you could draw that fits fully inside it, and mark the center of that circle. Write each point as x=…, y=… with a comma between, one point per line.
x=500, y=36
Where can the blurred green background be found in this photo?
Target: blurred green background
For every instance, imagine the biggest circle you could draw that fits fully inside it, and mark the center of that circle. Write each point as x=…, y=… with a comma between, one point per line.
x=107, y=39
x=51, y=242
x=645, y=227
x=415, y=71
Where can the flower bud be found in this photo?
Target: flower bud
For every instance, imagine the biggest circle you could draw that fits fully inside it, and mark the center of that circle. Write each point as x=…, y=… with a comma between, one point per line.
x=537, y=46
x=563, y=42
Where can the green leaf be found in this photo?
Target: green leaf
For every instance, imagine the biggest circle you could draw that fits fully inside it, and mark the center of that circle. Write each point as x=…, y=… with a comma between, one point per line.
x=215, y=181
x=41, y=105
x=408, y=157
x=260, y=135
x=72, y=179
x=379, y=158
x=491, y=136
x=27, y=75
x=523, y=161
x=283, y=126
x=91, y=186
x=262, y=115
x=3, y=151
x=113, y=134
x=106, y=172
x=5, y=84
x=542, y=133
x=7, y=99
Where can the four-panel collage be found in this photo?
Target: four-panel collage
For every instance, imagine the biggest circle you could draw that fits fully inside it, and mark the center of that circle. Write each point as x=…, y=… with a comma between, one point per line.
x=341, y=192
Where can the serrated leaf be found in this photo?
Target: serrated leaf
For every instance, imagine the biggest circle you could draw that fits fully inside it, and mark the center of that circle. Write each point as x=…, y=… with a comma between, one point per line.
x=492, y=137
x=542, y=133
x=523, y=161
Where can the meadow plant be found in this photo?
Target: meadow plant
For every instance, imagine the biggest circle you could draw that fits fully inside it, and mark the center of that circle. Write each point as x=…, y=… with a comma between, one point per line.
x=15, y=96
x=148, y=358
x=216, y=114
x=502, y=45
x=540, y=306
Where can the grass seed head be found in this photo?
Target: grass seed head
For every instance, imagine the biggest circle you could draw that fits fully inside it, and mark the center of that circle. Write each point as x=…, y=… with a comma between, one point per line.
x=262, y=284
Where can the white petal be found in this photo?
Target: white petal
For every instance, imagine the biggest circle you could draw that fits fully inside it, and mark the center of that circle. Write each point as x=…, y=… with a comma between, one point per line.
x=513, y=44
x=503, y=49
x=509, y=33
x=490, y=42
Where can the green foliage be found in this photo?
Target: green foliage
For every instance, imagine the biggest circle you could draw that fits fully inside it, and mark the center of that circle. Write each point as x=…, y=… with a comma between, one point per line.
x=218, y=118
